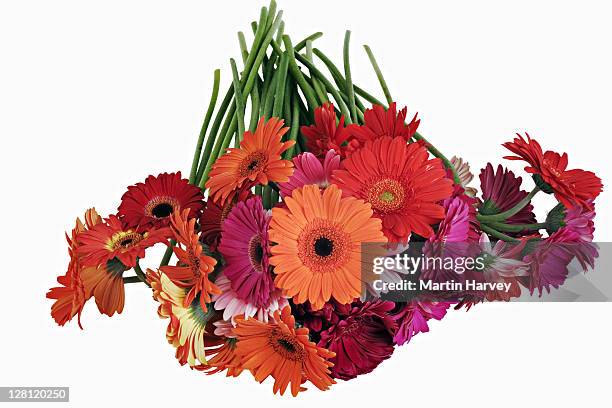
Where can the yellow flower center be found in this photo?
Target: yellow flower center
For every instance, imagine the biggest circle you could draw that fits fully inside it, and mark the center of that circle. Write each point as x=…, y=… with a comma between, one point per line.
x=124, y=240
x=386, y=195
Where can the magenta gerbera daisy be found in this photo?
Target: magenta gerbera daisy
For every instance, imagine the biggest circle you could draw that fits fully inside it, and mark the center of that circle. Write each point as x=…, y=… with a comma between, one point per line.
x=153, y=202
x=412, y=318
x=244, y=246
x=308, y=169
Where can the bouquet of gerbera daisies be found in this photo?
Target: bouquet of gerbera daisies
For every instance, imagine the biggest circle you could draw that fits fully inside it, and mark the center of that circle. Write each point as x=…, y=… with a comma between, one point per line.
x=294, y=188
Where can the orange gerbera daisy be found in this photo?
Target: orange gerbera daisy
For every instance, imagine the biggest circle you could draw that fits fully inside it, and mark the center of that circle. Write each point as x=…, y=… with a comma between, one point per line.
x=222, y=356
x=187, y=329
x=71, y=296
x=257, y=161
x=319, y=237
x=193, y=266
x=279, y=349
x=105, y=284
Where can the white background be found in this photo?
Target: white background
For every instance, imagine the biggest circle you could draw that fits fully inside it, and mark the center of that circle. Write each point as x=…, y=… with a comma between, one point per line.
x=95, y=96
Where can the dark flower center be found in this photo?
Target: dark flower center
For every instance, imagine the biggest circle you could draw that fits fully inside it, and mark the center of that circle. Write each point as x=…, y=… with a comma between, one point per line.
x=162, y=210
x=256, y=252
x=126, y=242
x=323, y=246
x=161, y=207
x=252, y=163
x=286, y=345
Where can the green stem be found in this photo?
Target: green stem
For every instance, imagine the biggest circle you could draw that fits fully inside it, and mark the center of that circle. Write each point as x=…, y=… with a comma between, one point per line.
x=255, y=101
x=207, y=117
x=270, y=93
x=349, y=80
x=496, y=234
x=247, y=81
x=267, y=197
x=280, y=86
x=244, y=51
x=315, y=82
x=516, y=227
x=297, y=74
x=487, y=219
x=140, y=274
x=239, y=101
x=379, y=75
x=168, y=254
x=207, y=161
x=132, y=279
x=295, y=125
x=339, y=101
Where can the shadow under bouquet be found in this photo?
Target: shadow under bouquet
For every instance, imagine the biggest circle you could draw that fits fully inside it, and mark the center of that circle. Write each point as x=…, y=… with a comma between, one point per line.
x=288, y=242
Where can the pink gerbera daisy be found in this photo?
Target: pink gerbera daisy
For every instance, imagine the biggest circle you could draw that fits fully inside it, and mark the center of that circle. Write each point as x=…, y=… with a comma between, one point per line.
x=310, y=170
x=232, y=305
x=244, y=246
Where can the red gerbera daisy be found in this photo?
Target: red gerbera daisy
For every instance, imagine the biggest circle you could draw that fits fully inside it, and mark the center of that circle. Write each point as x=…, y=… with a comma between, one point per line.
x=151, y=203
x=379, y=122
x=325, y=134
x=71, y=296
x=401, y=183
x=570, y=187
x=113, y=238
x=213, y=216
x=257, y=161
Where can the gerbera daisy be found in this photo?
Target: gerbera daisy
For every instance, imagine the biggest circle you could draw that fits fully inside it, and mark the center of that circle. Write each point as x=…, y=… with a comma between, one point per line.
x=462, y=169
x=194, y=266
x=501, y=190
x=257, y=161
x=245, y=249
x=187, y=329
x=401, y=183
x=454, y=238
x=105, y=284
x=502, y=264
x=221, y=357
x=233, y=305
x=70, y=298
x=309, y=170
x=319, y=238
x=325, y=134
x=412, y=318
x=320, y=320
x=362, y=340
x=282, y=351
x=570, y=187
x=153, y=202
x=113, y=238
x=577, y=219
x=379, y=122
x=213, y=216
